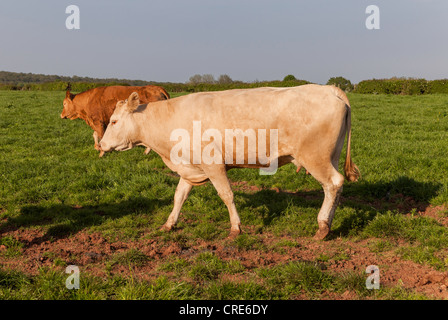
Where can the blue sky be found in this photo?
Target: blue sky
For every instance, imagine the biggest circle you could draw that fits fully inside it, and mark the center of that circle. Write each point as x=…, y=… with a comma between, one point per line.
x=171, y=40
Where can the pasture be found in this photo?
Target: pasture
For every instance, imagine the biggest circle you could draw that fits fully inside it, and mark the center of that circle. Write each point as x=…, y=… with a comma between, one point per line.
x=60, y=205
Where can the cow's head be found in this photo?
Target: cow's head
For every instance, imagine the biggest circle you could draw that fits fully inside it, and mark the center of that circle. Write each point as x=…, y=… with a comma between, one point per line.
x=122, y=130
x=69, y=109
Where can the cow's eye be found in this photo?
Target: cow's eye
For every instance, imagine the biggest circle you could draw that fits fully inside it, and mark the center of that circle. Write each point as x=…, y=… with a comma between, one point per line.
x=114, y=121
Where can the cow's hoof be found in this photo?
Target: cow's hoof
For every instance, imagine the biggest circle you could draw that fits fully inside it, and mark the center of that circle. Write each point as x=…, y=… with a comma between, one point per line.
x=101, y=154
x=323, y=231
x=166, y=228
x=234, y=233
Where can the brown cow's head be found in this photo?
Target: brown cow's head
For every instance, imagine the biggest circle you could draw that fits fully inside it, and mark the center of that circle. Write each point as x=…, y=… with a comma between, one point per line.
x=122, y=130
x=69, y=110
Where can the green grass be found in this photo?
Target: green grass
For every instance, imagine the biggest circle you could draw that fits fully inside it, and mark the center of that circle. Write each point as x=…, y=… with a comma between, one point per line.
x=12, y=246
x=289, y=281
x=52, y=180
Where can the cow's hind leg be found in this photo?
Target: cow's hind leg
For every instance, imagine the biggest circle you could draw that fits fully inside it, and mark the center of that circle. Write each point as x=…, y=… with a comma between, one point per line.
x=332, y=182
x=182, y=191
x=218, y=177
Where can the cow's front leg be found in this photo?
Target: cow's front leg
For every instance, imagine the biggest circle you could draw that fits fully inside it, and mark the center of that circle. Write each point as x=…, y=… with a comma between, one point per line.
x=96, y=139
x=98, y=132
x=218, y=177
x=97, y=144
x=182, y=191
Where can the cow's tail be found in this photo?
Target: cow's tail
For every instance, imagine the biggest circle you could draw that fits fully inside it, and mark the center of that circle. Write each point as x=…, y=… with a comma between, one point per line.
x=351, y=170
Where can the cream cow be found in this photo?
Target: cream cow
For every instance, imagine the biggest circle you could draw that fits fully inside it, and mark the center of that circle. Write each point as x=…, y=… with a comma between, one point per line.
x=311, y=122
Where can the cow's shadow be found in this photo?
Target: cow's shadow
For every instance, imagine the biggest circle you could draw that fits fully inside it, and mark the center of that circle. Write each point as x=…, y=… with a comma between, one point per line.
x=64, y=220
x=366, y=199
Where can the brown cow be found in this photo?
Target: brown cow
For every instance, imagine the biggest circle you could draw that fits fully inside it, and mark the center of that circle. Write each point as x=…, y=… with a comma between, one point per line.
x=95, y=106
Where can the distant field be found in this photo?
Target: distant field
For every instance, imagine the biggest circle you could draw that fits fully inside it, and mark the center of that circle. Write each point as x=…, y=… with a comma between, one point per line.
x=61, y=205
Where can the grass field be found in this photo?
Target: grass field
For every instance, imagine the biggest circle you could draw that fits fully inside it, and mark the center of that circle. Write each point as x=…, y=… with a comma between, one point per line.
x=61, y=205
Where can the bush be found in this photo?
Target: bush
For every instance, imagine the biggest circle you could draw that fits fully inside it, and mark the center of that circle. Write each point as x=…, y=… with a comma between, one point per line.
x=289, y=77
x=205, y=78
x=341, y=83
x=438, y=86
x=224, y=79
x=402, y=86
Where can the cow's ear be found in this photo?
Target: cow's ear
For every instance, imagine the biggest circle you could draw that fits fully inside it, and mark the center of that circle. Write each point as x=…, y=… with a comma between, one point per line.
x=133, y=102
x=68, y=95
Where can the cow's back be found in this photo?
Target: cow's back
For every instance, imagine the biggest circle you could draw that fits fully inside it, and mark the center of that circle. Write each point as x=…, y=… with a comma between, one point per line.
x=146, y=93
x=264, y=107
x=99, y=103
x=151, y=93
x=299, y=113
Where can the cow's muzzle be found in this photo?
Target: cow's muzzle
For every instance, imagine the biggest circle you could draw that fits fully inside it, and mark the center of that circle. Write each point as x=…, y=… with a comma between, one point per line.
x=103, y=148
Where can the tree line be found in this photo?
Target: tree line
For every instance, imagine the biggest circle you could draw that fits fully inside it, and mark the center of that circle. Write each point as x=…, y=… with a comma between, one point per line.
x=207, y=82
x=21, y=79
